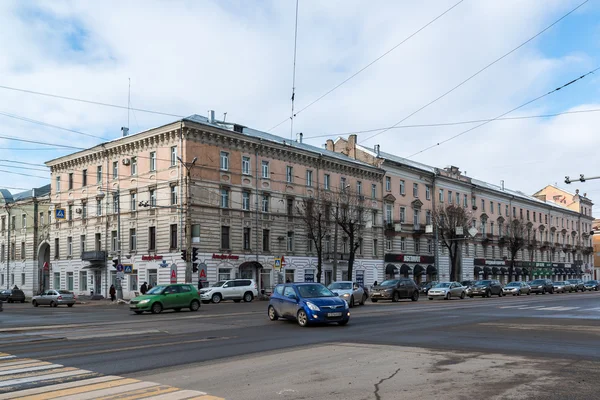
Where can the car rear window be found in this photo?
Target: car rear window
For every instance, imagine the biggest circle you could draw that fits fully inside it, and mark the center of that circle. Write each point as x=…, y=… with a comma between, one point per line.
x=64, y=292
x=279, y=289
x=243, y=283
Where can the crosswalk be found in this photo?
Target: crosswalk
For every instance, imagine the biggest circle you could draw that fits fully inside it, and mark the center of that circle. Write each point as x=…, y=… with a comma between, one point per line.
x=31, y=379
x=550, y=308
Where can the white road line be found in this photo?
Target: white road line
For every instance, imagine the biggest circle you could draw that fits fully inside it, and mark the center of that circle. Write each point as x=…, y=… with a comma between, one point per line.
x=60, y=386
x=36, y=378
x=6, y=357
x=557, y=308
x=123, y=389
x=180, y=395
x=30, y=369
x=517, y=306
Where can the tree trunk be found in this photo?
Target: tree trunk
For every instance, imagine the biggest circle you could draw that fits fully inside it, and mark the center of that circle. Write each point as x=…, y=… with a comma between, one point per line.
x=351, y=257
x=319, y=265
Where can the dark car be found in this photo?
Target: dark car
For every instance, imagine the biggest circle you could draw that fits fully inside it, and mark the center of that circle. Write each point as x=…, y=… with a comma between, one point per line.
x=592, y=285
x=425, y=286
x=486, y=288
x=542, y=286
x=577, y=284
x=395, y=289
x=12, y=296
x=467, y=283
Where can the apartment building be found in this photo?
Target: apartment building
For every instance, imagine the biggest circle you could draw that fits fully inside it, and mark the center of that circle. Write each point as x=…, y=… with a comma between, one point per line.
x=558, y=223
x=596, y=247
x=229, y=191
x=24, y=227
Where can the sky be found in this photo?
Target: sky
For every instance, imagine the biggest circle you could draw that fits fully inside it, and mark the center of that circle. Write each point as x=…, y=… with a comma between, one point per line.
x=236, y=57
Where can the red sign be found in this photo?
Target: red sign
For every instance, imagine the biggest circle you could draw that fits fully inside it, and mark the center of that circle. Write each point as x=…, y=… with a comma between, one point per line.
x=151, y=258
x=202, y=274
x=46, y=267
x=282, y=260
x=173, y=276
x=225, y=257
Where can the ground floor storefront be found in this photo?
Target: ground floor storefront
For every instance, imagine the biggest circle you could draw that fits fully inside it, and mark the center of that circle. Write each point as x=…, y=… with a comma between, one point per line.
x=419, y=268
x=526, y=270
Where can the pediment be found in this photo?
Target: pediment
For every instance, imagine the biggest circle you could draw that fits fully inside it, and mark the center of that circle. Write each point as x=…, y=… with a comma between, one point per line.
x=416, y=203
x=389, y=197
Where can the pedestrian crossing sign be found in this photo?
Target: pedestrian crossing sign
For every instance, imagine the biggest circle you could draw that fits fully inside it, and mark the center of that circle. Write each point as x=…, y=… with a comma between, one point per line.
x=277, y=263
x=128, y=268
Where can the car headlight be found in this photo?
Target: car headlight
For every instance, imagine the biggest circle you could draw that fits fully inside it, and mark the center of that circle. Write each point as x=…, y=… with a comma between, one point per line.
x=313, y=307
x=144, y=301
x=346, y=295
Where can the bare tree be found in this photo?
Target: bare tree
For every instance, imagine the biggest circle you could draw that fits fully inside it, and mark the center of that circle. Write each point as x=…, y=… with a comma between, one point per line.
x=446, y=219
x=516, y=239
x=316, y=217
x=351, y=219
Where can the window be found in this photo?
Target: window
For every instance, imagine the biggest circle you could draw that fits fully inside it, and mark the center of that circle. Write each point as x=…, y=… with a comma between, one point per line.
x=506, y=210
x=521, y=214
x=492, y=228
x=309, y=175
x=83, y=281
x=492, y=207
x=430, y=246
x=265, y=202
x=174, y=195
x=389, y=213
x=416, y=219
x=265, y=170
x=2, y=257
x=224, y=161
x=82, y=243
x=457, y=199
x=402, y=214
x=535, y=218
x=56, y=248
x=13, y=222
x=69, y=246
x=528, y=216
x=23, y=220
x=428, y=217
x=133, y=281
x=70, y=180
x=173, y=156
x=359, y=188
x=415, y=190
x=374, y=247
x=99, y=208
x=450, y=198
x=113, y=241
x=98, y=242
x=133, y=165
x=427, y=192
x=246, y=165
x=70, y=213
x=374, y=217
x=132, y=239
x=389, y=244
x=402, y=188
x=465, y=201
x=84, y=178
x=83, y=211
x=247, y=239
x=152, y=161
x=116, y=204
x=58, y=183
x=133, y=204
x=173, y=236
x=441, y=195
x=309, y=245
x=224, y=198
x=290, y=241
x=499, y=210
x=246, y=201
x=514, y=212
x=290, y=207
x=115, y=169
x=373, y=191
x=56, y=280
x=482, y=205
x=360, y=246
x=326, y=180
x=289, y=174
x=417, y=246
x=99, y=174
x=4, y=223
x=388, y=184
x=12, y=251
x=342, y=184
x=225, y=237
x=265, y=239
x=69, y=281
x=152, y=195
x=402, y=244
x=196, y=233
x=152, y=238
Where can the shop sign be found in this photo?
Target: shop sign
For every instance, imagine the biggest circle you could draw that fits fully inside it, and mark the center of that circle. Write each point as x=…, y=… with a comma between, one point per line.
x=360, y=277
x=309, y=276
x=151, y=258
x=225, y=257
x=173, y=273
x=409, y=258
x=491, y=263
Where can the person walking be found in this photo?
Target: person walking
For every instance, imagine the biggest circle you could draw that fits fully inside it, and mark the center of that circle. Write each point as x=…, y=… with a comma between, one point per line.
x=113, y=293
x=144, y=288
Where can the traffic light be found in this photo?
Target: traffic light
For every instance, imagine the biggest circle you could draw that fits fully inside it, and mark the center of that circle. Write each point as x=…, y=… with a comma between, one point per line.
x=195, y=267
x=184, y=255
x=194, y=254
x=115, y=263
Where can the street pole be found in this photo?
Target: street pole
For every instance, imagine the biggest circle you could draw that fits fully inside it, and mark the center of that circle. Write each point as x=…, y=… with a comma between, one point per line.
x=335, y=241
x=7, y=207
x=188, y=227
x=119, y=286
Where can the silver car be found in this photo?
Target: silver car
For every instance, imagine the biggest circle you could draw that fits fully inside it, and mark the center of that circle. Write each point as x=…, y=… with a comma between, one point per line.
x=517, y=288
x=560, y=287
x=54, y=298
x=447, y=290
x=350, y=291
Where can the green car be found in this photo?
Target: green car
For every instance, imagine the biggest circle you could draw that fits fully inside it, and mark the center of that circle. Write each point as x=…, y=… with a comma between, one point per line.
x=166, y=297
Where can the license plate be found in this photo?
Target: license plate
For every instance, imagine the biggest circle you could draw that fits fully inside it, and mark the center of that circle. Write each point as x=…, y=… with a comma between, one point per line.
x=334, y=314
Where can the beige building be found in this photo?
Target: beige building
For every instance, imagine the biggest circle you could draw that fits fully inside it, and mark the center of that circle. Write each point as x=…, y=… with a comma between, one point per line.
x=243, y=189
x=596, y=244
x=24, y=226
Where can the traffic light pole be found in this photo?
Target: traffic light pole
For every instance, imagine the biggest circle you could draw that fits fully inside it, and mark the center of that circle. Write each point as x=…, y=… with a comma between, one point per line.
x=188, y=228
x=119, y=286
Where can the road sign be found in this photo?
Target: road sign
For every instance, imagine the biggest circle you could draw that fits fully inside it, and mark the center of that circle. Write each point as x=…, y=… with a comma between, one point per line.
x=59, y=213
x=128, y=268
x=163, y=264
x=277, y=263
x=282, y=261
x=120, y=275
x=120, y=268
x=202, y=271
x=173, y=273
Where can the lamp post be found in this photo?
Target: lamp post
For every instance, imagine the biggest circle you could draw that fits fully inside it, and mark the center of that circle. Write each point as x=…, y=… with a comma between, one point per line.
x=188, y=241
x=99, y=197
x=8, y=248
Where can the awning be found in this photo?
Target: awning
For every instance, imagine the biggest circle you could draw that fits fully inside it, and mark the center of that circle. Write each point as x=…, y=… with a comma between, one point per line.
x=390, y=269
x=495, y=271
x=251, y=264
x=405, y=269
x=487, y=270
x=557, y=271
x=503, y=271
x=518, y=271
x=524, y=271
x=431, y=270
x=477, y=271
x=419, y=270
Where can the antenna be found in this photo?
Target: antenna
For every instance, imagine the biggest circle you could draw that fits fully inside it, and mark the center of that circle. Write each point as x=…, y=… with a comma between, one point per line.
x=294, y=74
x=128, y=102
x=224, y=116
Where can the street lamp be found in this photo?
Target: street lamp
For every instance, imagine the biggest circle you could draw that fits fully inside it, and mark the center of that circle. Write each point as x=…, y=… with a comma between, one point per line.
x=99, y=196
x=188, y=264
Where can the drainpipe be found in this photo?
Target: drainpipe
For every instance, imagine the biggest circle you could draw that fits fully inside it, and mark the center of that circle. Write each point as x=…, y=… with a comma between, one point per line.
x=7, y=207
x=181, y=233
x=436, y=239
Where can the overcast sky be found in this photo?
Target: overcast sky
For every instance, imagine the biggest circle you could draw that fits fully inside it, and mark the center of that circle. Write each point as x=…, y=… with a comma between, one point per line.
x=186, y=57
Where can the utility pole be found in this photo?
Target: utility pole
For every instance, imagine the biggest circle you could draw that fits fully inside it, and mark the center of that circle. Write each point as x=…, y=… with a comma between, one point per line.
x=188, y=228
x=335, y=240
x=7, y=207
x=119, y=285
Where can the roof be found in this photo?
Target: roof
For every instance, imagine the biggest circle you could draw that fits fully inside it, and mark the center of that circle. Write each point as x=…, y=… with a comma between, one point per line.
x=28, y=194
x=397, y=159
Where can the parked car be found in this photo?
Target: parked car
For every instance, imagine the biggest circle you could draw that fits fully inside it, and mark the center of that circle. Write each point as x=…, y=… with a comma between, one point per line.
x=395, y=289
x=425, y=286
x=447, y=290
x=592, y=285
x=12, y=296
x=560, y=287
x=542, y=286
x=349, y=291
x=517, y=288
x=1, y=305
x=577, y=284
x=234, y=289
x=569, y=287
x=166, y=297
x=307, y=303
x=486, y=288
x=54, y=298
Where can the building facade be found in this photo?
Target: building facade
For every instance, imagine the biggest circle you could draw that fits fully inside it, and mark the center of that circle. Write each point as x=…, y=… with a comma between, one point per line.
x=596, y=247
x=24, y=225
x=558, y=223
x=226, y=190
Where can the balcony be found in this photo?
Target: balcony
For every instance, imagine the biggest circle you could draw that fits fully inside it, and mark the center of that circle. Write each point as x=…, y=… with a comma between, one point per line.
x=93, y=256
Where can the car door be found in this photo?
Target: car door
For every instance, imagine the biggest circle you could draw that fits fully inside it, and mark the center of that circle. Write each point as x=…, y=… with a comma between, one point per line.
x=403, y=289
x=186, y=295
x=170, y=297
x=455, y=289
x=276, y=299
x=49, y=297
x=497, y=287
x=289, y=302
x=228, y=289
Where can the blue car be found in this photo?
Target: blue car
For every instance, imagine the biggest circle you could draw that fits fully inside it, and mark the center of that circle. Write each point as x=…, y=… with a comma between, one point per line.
x=307, y=303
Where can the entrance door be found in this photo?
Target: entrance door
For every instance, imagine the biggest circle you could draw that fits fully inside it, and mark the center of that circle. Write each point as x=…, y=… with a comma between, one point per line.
x=289, y=276
x=97, y=281
x=152, y=277
x=328, y=276
x=247, y=273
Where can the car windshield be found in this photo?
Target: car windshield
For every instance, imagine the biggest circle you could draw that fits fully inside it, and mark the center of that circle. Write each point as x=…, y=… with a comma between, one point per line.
x=312, y=291
x=389, y=282
x=218, y=284
x=572, y=281
x=340, y=286
x=514, y=284
x=442, y=285
x=156, y=290
x=538, y=282
x=592, y=282
x=483, y=282
x=6, y=292
x=559, y=283
x=63, y=292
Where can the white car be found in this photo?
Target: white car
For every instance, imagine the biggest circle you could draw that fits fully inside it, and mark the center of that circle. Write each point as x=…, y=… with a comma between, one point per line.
x=234, y=289
x=349, y=291
x=447, y=290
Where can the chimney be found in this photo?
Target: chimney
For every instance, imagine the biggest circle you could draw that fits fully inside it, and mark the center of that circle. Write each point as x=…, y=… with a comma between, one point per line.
x=329, y=145
x=502, y=184
x=352, y=146
x=299, y=137
x=124, y=131
x=377, y=150
x=211, y=116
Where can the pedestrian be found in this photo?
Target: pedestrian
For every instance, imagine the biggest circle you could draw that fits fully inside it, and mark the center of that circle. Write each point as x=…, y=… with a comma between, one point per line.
x=149, y=287
x=113, y=293
x=287, y=281
x=144, y=288
x=375, y=283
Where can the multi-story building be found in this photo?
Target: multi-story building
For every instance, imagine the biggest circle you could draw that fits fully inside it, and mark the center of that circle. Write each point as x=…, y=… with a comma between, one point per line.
x=558, y=228
x=596, y=247
x=24, y=226
x=229, y=191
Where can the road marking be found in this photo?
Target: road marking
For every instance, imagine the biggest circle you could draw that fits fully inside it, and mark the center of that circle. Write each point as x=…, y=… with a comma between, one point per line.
x=558, y=308
x=41, y=366
x=142, y=393
x=59, y=386
x=101, y=394
x=593, y=309
x=88, y=387
x=5, y=357
x=529, y=327
x=181, y=395
x=33, y=378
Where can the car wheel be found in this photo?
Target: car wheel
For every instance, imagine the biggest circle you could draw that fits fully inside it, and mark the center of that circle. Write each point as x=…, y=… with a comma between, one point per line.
x=471, y=296
x=53, y=304
x=178, y=309
x=543, y=291
x=447, y=296
x=194, y=305
x=552, y=291
x=9, y=301
x=156, y=308
x=216, y=298
x=596, y=289
x=430, y=298
x=462, y=295
x=488, y=294
x=415, y=296
x=69, y=305
x=343, y=323
x=364, y=298
x=302, y=318
x=528, y=293
x=35, y=303
x=248, y=297
x=373, y=300
x=272, y=313
x=396, y=297
x=351, y=302
x=138, y=312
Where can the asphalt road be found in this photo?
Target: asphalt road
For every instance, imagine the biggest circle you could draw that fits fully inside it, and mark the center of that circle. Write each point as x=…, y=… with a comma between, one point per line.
x=226, y=343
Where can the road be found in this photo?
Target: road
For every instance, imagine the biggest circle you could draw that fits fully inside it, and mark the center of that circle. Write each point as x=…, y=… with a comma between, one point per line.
x=511, y=347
